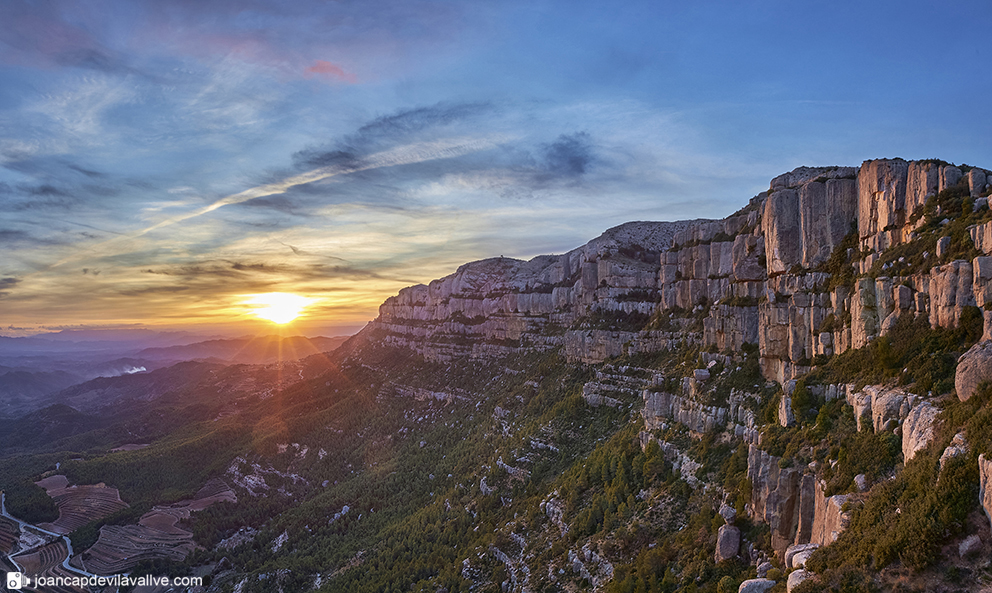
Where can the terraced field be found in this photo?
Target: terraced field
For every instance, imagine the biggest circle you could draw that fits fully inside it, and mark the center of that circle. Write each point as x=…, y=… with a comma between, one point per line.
x=46, y=561
x=78, y=505
x=121, y=547
x=10, y=531
x=156, y=536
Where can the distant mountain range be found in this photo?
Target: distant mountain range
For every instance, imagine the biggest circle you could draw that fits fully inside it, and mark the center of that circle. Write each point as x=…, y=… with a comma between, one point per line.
x=249, y=350
x=34, y=369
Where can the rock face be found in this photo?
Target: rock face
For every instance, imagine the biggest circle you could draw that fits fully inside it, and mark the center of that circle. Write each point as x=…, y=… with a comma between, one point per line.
x=774, y=496
x=728, y=541
x=881, y=201
x=985, y=484
x=792, y=504
x=494, y=306
x=974, y=368
x=830, y=518
x=917, y=430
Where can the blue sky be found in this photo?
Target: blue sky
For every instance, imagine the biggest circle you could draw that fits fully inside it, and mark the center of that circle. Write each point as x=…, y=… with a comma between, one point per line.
x=160, y=160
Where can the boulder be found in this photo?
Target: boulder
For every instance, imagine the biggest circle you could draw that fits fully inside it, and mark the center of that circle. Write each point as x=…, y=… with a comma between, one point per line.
x=755, y=586
x=728, y=541
x=797, y=577
x=917, y=429
x=796, y=555
x=970, y=546
x=974, y=368
x=728, y=513
x=888, y=408
x=763, y=569
x=943, y=246
x=861, y=481
x=949, y=177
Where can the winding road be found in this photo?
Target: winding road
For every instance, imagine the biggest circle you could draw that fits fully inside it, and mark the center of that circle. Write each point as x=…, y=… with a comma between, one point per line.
x=68, y=543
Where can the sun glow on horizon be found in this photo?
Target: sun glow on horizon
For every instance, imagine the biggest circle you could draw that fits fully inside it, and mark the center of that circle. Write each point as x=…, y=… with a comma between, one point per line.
x=278, y=307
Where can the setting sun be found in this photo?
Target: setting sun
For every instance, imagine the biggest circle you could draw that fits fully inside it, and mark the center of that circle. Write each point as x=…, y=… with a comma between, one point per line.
x=278, y=307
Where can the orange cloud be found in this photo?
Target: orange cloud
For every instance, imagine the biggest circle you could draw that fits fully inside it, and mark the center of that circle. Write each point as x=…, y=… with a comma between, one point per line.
x=326, y=69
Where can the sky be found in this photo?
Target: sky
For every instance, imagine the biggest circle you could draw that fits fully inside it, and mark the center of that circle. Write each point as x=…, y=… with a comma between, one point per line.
x=162, y=161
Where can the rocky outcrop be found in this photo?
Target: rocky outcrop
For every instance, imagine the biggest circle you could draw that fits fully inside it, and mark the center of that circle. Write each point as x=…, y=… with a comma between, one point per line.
x=974, y=368
x=500, y=304
x=685, y=409
x=595, y=395
x=880, y=407
x=918, y=429
x=949, y=176
x=957, y=448
x=681, y=463
x=982, y=280
x=728, y=541
x=981, y=235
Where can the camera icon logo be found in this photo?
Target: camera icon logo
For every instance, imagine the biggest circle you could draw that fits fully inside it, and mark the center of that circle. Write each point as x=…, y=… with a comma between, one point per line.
x=16, y=581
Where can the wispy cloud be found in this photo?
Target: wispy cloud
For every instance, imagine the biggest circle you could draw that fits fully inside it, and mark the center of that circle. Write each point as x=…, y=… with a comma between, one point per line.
x=327, y=70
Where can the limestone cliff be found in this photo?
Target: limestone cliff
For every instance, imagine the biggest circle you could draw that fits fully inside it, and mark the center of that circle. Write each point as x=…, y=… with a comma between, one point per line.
x=756, y=277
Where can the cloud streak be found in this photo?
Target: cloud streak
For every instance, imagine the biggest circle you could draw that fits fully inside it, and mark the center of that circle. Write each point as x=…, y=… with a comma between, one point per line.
x=403, y=155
